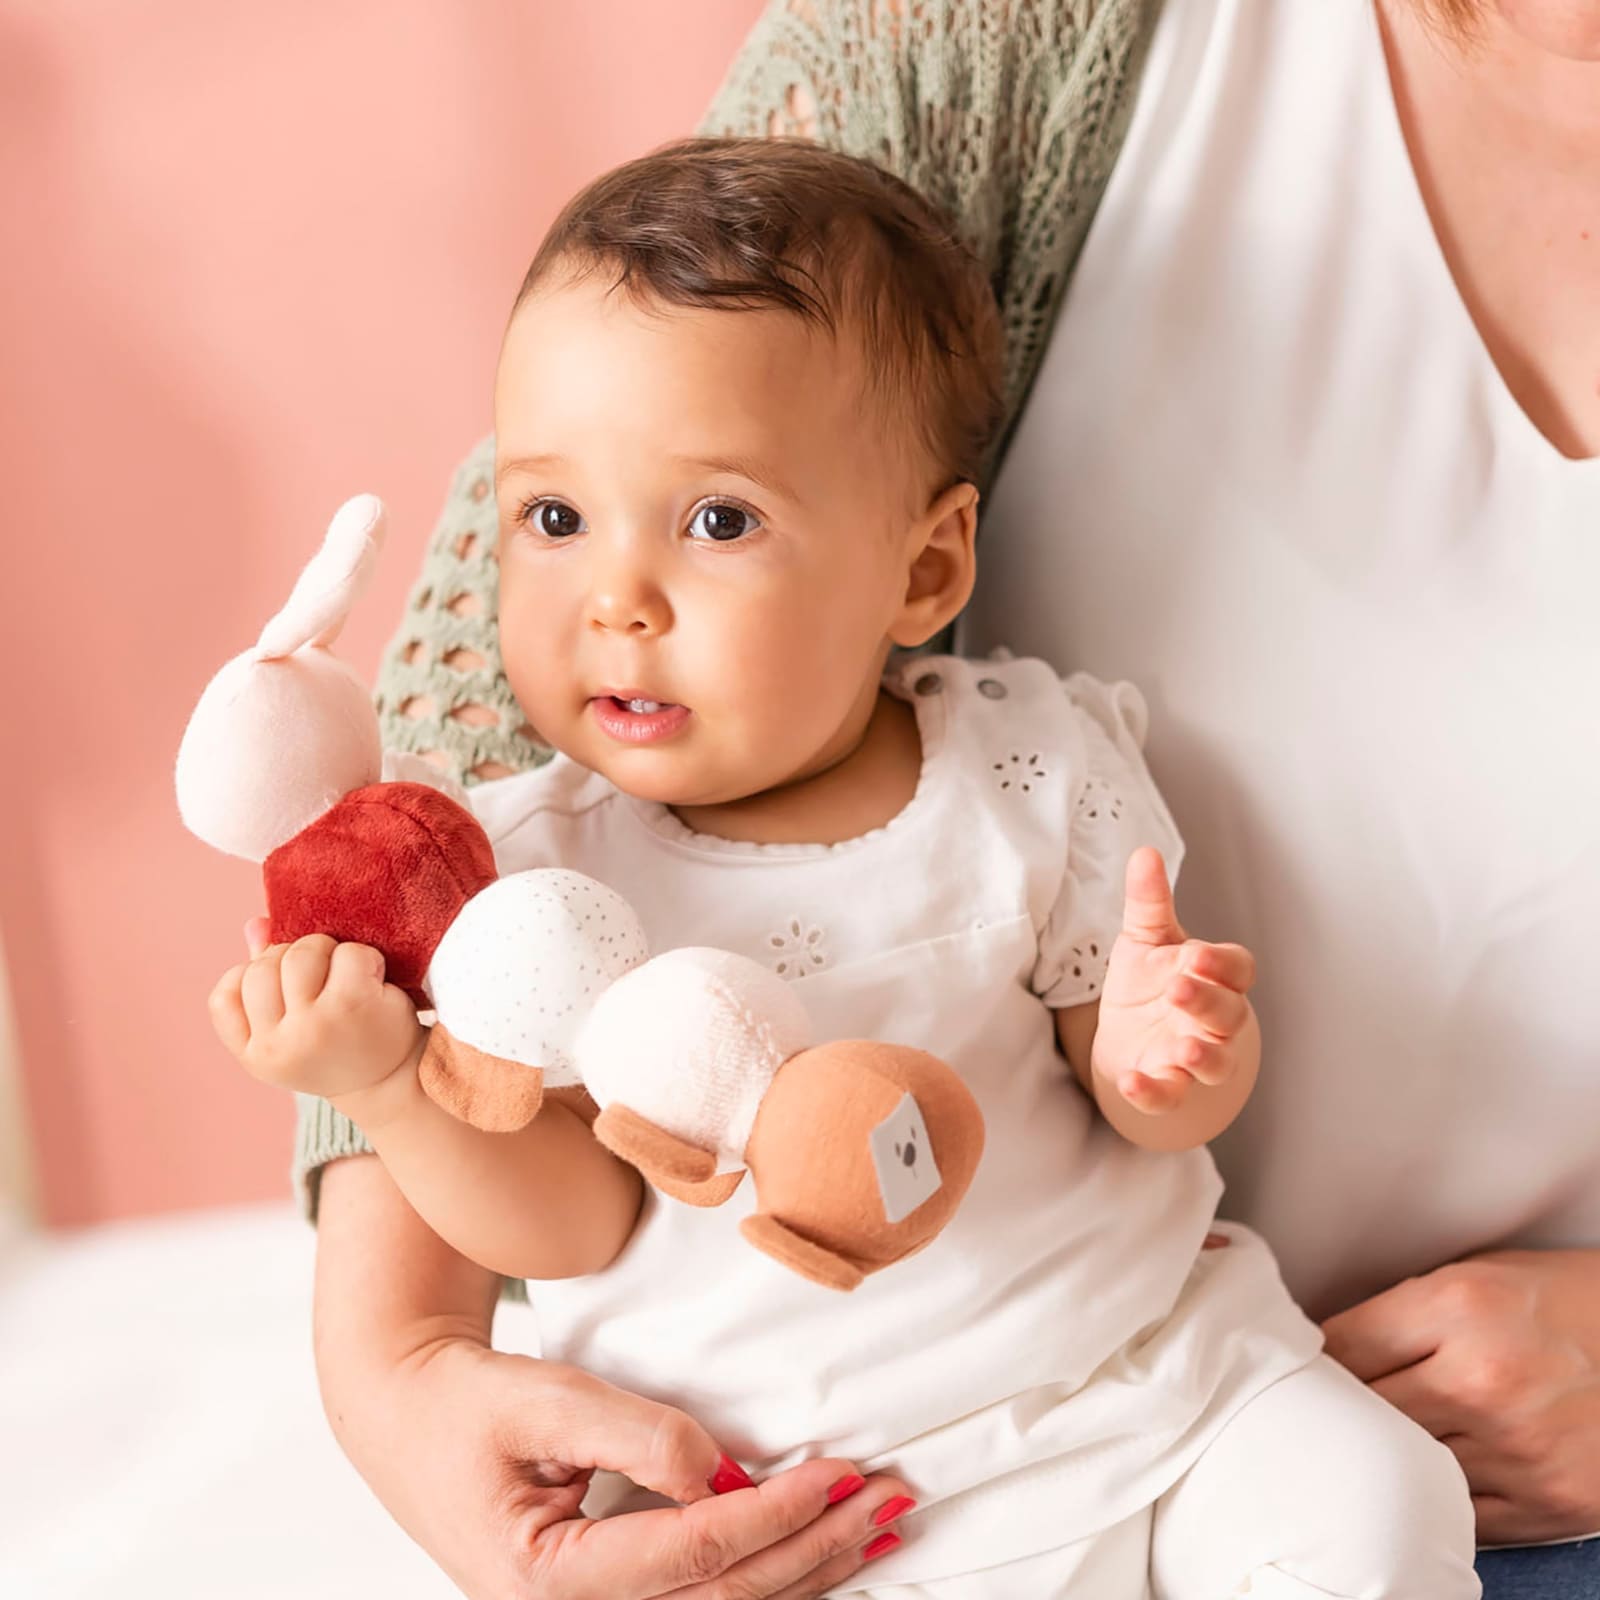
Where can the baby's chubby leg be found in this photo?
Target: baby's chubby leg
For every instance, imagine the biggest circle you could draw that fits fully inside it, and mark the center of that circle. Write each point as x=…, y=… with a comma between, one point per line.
x=1317, y=1490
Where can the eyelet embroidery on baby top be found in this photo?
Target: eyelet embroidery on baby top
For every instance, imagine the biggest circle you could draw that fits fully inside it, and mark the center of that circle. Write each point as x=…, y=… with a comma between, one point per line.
x=1093, y=957
x=1099, y=801
x=1020, y=771
x=800, y=949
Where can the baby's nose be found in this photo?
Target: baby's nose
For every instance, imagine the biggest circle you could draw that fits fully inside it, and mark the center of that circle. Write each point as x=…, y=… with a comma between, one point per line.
x=629, y=604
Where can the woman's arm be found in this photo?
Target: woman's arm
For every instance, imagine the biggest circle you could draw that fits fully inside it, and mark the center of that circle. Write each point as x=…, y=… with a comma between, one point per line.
x=484, y=1458
x=1007, y=114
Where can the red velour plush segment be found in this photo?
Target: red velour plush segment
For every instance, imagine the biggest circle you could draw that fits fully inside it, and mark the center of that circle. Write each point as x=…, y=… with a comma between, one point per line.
x=391, y=866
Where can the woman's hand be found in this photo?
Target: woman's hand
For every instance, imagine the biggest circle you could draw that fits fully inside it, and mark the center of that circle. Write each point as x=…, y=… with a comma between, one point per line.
x=483, y=1458
x=1498, y=1357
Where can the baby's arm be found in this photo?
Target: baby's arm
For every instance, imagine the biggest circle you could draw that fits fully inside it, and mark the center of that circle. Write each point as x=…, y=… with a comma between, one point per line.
x=547, y=1201
x=1171, y=1050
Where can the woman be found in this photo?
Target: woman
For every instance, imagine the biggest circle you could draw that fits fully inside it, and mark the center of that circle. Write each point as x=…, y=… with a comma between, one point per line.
x=1310, y=452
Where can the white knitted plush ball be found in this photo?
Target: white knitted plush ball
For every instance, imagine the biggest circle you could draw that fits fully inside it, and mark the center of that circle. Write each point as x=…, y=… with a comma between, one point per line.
x=519, y=969
x=691, y=1040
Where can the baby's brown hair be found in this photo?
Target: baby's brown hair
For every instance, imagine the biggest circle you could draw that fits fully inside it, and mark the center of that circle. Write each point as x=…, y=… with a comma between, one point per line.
x=746, y=224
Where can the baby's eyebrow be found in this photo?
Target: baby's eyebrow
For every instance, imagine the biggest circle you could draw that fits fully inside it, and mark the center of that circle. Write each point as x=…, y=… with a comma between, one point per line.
x=743, y=467
x=527, y=464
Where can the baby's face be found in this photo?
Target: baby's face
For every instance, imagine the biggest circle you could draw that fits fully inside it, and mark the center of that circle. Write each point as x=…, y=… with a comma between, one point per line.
x=698, y=511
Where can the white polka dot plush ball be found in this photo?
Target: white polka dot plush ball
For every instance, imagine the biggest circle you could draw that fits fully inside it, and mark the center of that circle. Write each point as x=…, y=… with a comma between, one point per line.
x=518, y=971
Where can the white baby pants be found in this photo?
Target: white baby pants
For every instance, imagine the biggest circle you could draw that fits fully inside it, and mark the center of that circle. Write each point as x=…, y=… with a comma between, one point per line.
x=1315, y=1490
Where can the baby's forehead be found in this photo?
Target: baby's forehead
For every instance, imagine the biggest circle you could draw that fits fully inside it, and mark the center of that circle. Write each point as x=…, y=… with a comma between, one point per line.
x=748, y=380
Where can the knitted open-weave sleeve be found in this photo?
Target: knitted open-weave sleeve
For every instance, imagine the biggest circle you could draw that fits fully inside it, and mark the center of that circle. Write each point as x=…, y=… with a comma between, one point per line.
x=1008, y=114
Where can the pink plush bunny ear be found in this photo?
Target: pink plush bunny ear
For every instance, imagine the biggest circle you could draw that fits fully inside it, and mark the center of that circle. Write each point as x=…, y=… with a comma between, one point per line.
x=331, y=581
x=285, y=729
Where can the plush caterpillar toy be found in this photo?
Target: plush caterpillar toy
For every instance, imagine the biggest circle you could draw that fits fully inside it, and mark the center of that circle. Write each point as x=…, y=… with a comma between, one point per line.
x=700, y=1061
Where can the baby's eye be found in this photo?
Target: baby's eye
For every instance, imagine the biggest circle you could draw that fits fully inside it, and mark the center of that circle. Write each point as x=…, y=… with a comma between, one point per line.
x=555, y=519
x=723, y=521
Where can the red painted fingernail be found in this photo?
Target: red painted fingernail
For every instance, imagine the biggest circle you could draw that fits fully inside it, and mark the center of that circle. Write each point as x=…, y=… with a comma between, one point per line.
x=846, y=1487
x=881, y=1546
x=729, y=1475
x=890, y=1509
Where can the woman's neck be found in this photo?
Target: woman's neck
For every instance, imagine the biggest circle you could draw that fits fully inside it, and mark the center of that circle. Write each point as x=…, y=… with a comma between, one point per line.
x=1503, y=130
x=1564, y=29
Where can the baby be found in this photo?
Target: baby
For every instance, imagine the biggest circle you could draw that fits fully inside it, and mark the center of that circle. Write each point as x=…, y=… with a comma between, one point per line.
x=743, y=400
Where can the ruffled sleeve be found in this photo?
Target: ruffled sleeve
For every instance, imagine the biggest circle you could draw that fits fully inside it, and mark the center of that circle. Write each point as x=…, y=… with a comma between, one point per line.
x=1115, y=808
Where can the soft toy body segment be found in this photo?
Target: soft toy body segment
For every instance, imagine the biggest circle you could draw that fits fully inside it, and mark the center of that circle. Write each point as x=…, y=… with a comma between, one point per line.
x=519, y=969
x=816, y=1148
x=238, y=787
x=390, y=865
x=688, y=1043
x=496, y=1095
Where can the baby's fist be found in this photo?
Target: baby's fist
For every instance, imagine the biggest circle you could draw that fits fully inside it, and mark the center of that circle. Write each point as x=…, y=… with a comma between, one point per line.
x=316, y=1016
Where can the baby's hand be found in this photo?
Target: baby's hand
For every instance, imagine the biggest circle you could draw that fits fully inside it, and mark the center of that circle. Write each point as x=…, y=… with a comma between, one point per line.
x=1173, y=1011
x=316, y=1016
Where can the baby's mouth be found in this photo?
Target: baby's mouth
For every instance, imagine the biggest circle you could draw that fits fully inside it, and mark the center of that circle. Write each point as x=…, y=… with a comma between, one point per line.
x=638, y=718
x=639, y=705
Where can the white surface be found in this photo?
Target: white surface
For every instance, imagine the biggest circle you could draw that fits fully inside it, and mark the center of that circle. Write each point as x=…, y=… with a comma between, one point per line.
x=1270, y=474
x=160, y=1431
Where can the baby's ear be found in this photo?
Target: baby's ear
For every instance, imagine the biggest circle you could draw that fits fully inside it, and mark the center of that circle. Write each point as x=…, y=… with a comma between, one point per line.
x=942, y=565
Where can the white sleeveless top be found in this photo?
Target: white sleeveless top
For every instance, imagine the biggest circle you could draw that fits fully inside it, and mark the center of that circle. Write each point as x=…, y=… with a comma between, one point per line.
x=1270, y=474
x=1064, y=1334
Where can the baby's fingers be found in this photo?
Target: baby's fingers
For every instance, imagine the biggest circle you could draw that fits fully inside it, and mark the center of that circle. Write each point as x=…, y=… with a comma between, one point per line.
x=1205, y=1060
x=304, y=969
x=1228, y=964
x=355, y=976
x=1220, y=1012
x=226, y=1005
x=1153, y=1093
x=262, y=989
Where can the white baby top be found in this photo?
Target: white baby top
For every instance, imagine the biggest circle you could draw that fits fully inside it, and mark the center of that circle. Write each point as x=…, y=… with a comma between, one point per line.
x=1270, y=473
x=1070, y=1269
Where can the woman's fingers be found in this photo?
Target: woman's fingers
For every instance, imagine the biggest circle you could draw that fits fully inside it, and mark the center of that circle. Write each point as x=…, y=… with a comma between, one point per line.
x=773, y=1536
x=1415, y=1390
x=683, y=1552
x=801, y=1545
x=587, y=1422
x=825, y=1553
x=1392, y=1330
x=257, y=935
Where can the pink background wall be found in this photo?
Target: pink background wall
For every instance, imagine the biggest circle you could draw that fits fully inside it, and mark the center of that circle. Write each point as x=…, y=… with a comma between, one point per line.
x=256, y=258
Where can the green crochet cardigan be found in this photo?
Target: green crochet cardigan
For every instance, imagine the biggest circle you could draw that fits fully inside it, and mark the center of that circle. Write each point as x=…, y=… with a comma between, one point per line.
x=1007, y=113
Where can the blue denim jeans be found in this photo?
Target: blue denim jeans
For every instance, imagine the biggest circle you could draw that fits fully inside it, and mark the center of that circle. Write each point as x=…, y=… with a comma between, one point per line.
x=1556, y=1572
